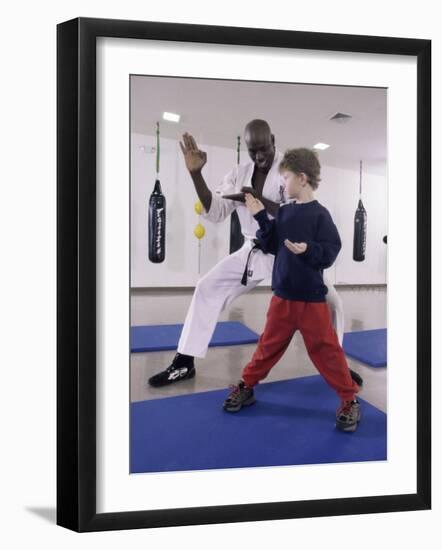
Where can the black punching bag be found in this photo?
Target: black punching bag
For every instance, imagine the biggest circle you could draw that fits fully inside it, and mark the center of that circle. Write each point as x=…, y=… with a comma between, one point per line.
x=360, y=226
x=236, y=236
x=157, y=225
x=157, y=216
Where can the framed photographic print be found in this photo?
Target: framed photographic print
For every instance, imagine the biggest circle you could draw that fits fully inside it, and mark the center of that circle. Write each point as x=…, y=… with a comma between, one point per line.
x=244, y=273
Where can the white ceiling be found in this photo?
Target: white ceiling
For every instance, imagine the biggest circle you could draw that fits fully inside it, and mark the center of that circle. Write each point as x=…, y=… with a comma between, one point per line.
x=216, y=111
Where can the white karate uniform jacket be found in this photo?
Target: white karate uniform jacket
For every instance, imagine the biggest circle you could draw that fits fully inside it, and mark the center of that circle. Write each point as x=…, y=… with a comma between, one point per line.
x=260, y=264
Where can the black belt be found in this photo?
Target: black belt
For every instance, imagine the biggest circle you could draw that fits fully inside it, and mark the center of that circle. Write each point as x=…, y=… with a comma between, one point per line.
x=255, y=246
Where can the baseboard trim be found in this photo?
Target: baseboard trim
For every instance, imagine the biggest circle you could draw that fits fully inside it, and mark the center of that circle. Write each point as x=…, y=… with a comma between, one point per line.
x=266, y=288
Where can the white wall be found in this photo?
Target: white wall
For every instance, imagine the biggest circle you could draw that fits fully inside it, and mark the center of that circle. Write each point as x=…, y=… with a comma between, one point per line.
x=338, y=191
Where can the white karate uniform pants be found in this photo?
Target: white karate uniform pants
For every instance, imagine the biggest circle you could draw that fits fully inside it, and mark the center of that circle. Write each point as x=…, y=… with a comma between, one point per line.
x=218, y=289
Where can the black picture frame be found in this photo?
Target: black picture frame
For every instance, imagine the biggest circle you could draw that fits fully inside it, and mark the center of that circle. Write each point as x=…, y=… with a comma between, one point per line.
x=76, y=273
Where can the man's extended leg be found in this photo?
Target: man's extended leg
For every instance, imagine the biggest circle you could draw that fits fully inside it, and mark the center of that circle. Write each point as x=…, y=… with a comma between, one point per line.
x=336, y=306
x=213, y=292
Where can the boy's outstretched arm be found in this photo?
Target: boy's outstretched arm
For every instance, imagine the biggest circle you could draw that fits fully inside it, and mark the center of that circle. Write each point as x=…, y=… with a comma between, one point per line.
x=271, y=206
x=321, y=252
x=266, y=234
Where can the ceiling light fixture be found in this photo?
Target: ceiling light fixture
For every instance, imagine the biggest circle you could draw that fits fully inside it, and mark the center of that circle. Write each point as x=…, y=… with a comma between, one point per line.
x=321, y=146
x=171, y=117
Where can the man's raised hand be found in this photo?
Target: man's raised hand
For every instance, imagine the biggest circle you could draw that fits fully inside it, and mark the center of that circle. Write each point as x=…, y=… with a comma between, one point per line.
x=193, y=157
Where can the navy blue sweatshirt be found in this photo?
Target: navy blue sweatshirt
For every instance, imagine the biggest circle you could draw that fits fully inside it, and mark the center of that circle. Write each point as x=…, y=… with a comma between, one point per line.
x=299, y=276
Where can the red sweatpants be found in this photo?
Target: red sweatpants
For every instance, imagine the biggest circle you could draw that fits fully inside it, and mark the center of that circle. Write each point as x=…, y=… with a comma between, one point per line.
x=313, y=320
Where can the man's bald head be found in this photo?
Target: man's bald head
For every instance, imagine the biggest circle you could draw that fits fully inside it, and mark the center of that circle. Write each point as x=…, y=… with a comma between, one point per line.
x=257, y=126
x=260, y=143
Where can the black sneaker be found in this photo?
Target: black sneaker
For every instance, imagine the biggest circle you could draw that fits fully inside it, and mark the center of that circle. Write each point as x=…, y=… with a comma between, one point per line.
x=240, y=396
x=348, y=415
x=357, y=378
x=180, y=369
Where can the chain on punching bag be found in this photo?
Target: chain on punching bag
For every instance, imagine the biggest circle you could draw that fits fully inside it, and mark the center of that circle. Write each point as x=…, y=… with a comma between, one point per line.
x=157, y=215
x=236, y=236
x=360, y=226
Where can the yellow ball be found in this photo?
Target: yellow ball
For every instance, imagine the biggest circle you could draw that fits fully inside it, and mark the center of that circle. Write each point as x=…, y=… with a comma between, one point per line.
x=199, y=231
x=198, y=207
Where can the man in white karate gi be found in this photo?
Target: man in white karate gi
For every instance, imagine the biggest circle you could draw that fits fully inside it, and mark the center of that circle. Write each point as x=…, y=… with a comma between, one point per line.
x=243, y=270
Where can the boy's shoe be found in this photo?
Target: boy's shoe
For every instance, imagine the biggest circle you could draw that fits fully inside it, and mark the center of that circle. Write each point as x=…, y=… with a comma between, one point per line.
x=357, y=378
x=348, y=415
x=180, y=369
x=240, y=396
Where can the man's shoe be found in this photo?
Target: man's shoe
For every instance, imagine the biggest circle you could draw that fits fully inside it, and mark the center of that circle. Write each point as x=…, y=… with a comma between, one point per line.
x=240, y=396
x=357, y=378
x=348, y=415
x=180, y=369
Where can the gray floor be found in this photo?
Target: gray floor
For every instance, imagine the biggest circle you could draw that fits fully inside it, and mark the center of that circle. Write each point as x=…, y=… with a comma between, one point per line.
x=365, y=308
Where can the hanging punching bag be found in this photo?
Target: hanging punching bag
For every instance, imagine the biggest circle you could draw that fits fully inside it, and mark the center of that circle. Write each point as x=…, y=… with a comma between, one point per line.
x=236, y=236
x=157, y=215
x=360, y=226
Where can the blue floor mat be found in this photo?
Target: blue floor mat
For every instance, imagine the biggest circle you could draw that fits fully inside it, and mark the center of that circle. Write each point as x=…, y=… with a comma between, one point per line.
x=166, y=337
x=367, y=346
x=291, y=423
